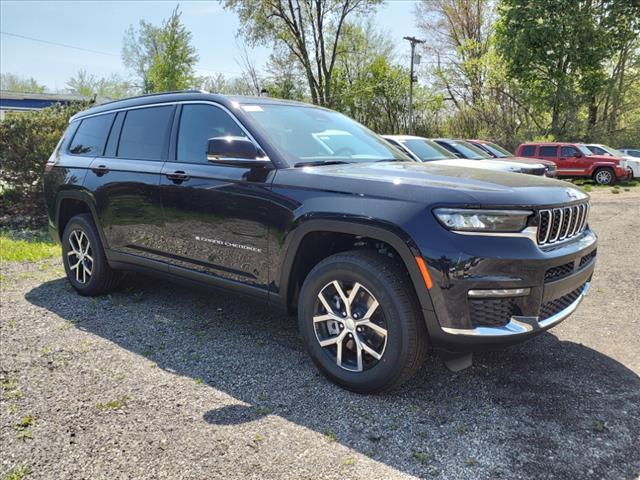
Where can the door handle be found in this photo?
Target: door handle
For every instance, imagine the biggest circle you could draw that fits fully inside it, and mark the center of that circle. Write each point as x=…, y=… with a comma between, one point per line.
x=100, y=170
x=178, y=176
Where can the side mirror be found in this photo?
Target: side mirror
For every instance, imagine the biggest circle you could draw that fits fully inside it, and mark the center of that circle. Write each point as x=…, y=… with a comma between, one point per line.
x=238, y=151
x=577, y=154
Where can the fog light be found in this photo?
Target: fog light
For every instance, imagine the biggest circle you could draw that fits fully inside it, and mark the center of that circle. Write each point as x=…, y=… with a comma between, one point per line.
x=503, y=292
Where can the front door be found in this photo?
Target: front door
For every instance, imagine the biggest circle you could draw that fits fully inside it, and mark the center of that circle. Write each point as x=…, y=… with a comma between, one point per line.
x=571, y=160
x=215, y=216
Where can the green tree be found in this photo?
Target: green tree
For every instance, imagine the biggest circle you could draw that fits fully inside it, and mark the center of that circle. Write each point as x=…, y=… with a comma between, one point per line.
x=15, y=83
x=91, y=86
x=162, y=58
x=310, y=30
x=557, y=50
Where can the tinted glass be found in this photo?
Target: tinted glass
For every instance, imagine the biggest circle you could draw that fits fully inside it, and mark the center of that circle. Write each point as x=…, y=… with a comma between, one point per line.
x=528, y=151
x=568, y=152
x=144, y=133
x=497, y=150
x=467, y=150
x=426, y=150
x=91, y=135
x=308, y=134
x=548, y=151
x=199, y=123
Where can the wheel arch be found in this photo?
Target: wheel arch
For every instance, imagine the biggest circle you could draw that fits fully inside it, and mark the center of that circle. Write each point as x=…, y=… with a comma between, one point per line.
x=74, y=202
x=355, y=227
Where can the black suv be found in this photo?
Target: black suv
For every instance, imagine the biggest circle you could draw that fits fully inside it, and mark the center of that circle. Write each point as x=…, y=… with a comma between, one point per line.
x=309, y=211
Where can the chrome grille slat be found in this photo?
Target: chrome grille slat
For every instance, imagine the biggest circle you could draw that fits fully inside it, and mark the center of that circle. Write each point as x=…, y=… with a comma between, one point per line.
x=561, y=223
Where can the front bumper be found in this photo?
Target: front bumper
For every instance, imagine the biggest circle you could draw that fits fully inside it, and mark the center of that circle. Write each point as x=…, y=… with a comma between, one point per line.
x=556, y=281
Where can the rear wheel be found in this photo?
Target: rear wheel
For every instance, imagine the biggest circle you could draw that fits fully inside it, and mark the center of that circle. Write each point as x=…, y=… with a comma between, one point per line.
x=604, y=176
x=360, y=321
x=84, y=259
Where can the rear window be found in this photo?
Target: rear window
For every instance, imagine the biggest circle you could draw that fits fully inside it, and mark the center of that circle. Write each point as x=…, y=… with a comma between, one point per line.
x=91, y=135
x=548, y=151
x=145, y=133
x=528, y=151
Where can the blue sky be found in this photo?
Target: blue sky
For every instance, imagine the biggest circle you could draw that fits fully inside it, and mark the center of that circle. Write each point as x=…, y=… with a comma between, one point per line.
x=100, y=26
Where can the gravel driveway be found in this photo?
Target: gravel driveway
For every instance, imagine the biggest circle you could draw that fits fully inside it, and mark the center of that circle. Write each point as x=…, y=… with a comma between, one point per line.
x=162, y=381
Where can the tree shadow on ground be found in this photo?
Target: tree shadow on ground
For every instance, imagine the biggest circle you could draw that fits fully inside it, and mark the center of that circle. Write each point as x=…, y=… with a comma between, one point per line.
x=543, y=409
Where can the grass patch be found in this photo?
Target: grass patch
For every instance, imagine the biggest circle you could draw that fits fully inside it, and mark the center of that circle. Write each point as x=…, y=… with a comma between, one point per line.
x=114, y=404
x=29, y=247
x=329, y=436
x=17, y=473
x=422, y=457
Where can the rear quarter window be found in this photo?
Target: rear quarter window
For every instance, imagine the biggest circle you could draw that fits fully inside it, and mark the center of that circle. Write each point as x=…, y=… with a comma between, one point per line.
x=91, y=135
x=528, y=151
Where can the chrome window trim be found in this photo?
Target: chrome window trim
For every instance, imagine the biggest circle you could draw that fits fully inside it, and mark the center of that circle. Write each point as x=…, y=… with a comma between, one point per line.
x=182, y=102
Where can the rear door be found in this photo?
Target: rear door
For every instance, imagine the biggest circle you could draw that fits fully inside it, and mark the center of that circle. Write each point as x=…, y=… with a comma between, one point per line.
x=550, y=152
x=216, y=215
x=126, y=180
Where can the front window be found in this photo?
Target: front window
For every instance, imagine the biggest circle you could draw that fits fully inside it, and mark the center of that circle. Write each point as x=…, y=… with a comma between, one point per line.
x=427, y=151
x=308, y=135
x=469, y=151
x=497, y=150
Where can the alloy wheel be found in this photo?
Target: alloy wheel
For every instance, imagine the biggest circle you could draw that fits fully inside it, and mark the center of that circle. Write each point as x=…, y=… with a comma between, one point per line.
x=80, y=256
x=604, y=177
x=350, y=325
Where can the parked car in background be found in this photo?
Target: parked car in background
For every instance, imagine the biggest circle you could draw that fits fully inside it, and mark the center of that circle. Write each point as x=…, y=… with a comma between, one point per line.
x=577, y=161
x=464, y=149
x=632, y=162
x=304, y=209
x=500, y=153
x=425, y=150
x=632, y=152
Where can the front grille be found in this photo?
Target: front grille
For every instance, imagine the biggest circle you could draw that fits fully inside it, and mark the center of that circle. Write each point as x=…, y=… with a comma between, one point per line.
x=492, y=312
x=556, y=273
x=558, y=224
x=587, y=258
x=552, y=307
x=535, y=171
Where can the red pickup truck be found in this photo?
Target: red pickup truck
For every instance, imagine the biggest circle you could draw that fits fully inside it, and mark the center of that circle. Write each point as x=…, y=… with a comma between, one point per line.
x=576, y=160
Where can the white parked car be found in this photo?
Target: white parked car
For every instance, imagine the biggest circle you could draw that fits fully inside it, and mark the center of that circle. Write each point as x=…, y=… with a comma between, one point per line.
x=426, y=150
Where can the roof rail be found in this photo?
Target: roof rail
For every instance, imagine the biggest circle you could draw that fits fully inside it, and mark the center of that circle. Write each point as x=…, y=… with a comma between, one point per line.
x=194, y=90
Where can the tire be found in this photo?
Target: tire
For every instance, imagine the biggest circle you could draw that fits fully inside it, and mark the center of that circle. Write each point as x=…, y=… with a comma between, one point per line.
x=604, y=176
x=89, y=273
x=405, y=343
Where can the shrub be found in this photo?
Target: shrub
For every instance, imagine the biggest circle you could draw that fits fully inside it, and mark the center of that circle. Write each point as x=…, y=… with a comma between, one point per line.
x=27, y=139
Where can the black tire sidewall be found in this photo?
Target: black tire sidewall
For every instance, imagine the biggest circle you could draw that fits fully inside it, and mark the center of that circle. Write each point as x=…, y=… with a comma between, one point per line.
x=84, y=223
x=390, y=366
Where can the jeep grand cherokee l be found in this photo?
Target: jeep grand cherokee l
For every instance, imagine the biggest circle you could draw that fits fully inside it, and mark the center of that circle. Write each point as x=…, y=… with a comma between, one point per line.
x=380, y=256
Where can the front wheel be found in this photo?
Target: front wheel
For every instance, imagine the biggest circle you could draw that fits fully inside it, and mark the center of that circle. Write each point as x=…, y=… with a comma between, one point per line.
x=360, y=321
x=604, y=176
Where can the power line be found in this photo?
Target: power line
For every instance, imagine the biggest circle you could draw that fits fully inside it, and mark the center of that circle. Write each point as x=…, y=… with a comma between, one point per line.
x=59, y=44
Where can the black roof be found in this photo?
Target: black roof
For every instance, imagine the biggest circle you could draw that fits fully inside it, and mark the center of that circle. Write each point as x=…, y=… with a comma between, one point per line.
x=181, y=96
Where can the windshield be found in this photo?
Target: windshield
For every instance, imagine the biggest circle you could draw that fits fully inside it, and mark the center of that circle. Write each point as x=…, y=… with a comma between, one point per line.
x=611, y=151
x=585, y=151
x=468, y=150
x=427, y=150
x=308, y=135
x=497, y=150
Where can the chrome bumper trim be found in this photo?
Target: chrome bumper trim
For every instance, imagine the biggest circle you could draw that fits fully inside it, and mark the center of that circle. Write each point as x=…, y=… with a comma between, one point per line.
x=520, y=325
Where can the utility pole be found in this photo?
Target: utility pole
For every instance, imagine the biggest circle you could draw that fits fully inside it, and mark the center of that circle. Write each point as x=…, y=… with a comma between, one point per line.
x=414, y=41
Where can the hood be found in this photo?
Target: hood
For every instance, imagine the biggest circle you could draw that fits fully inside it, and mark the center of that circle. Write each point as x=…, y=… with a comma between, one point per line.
x=431, y=183
x=536, y=161
x=500, y=166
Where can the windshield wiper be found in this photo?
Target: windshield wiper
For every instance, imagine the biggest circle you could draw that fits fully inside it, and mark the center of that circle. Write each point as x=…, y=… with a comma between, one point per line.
x=315, y=163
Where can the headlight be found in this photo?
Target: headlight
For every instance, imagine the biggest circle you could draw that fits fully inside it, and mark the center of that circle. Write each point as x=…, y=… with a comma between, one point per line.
x=467, y=220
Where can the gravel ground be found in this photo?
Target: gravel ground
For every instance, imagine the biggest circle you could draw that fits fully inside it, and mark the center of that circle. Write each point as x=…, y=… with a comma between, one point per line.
x=161, y=381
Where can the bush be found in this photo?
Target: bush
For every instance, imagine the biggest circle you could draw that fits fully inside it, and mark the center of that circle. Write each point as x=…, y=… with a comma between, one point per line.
x=27, y=140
